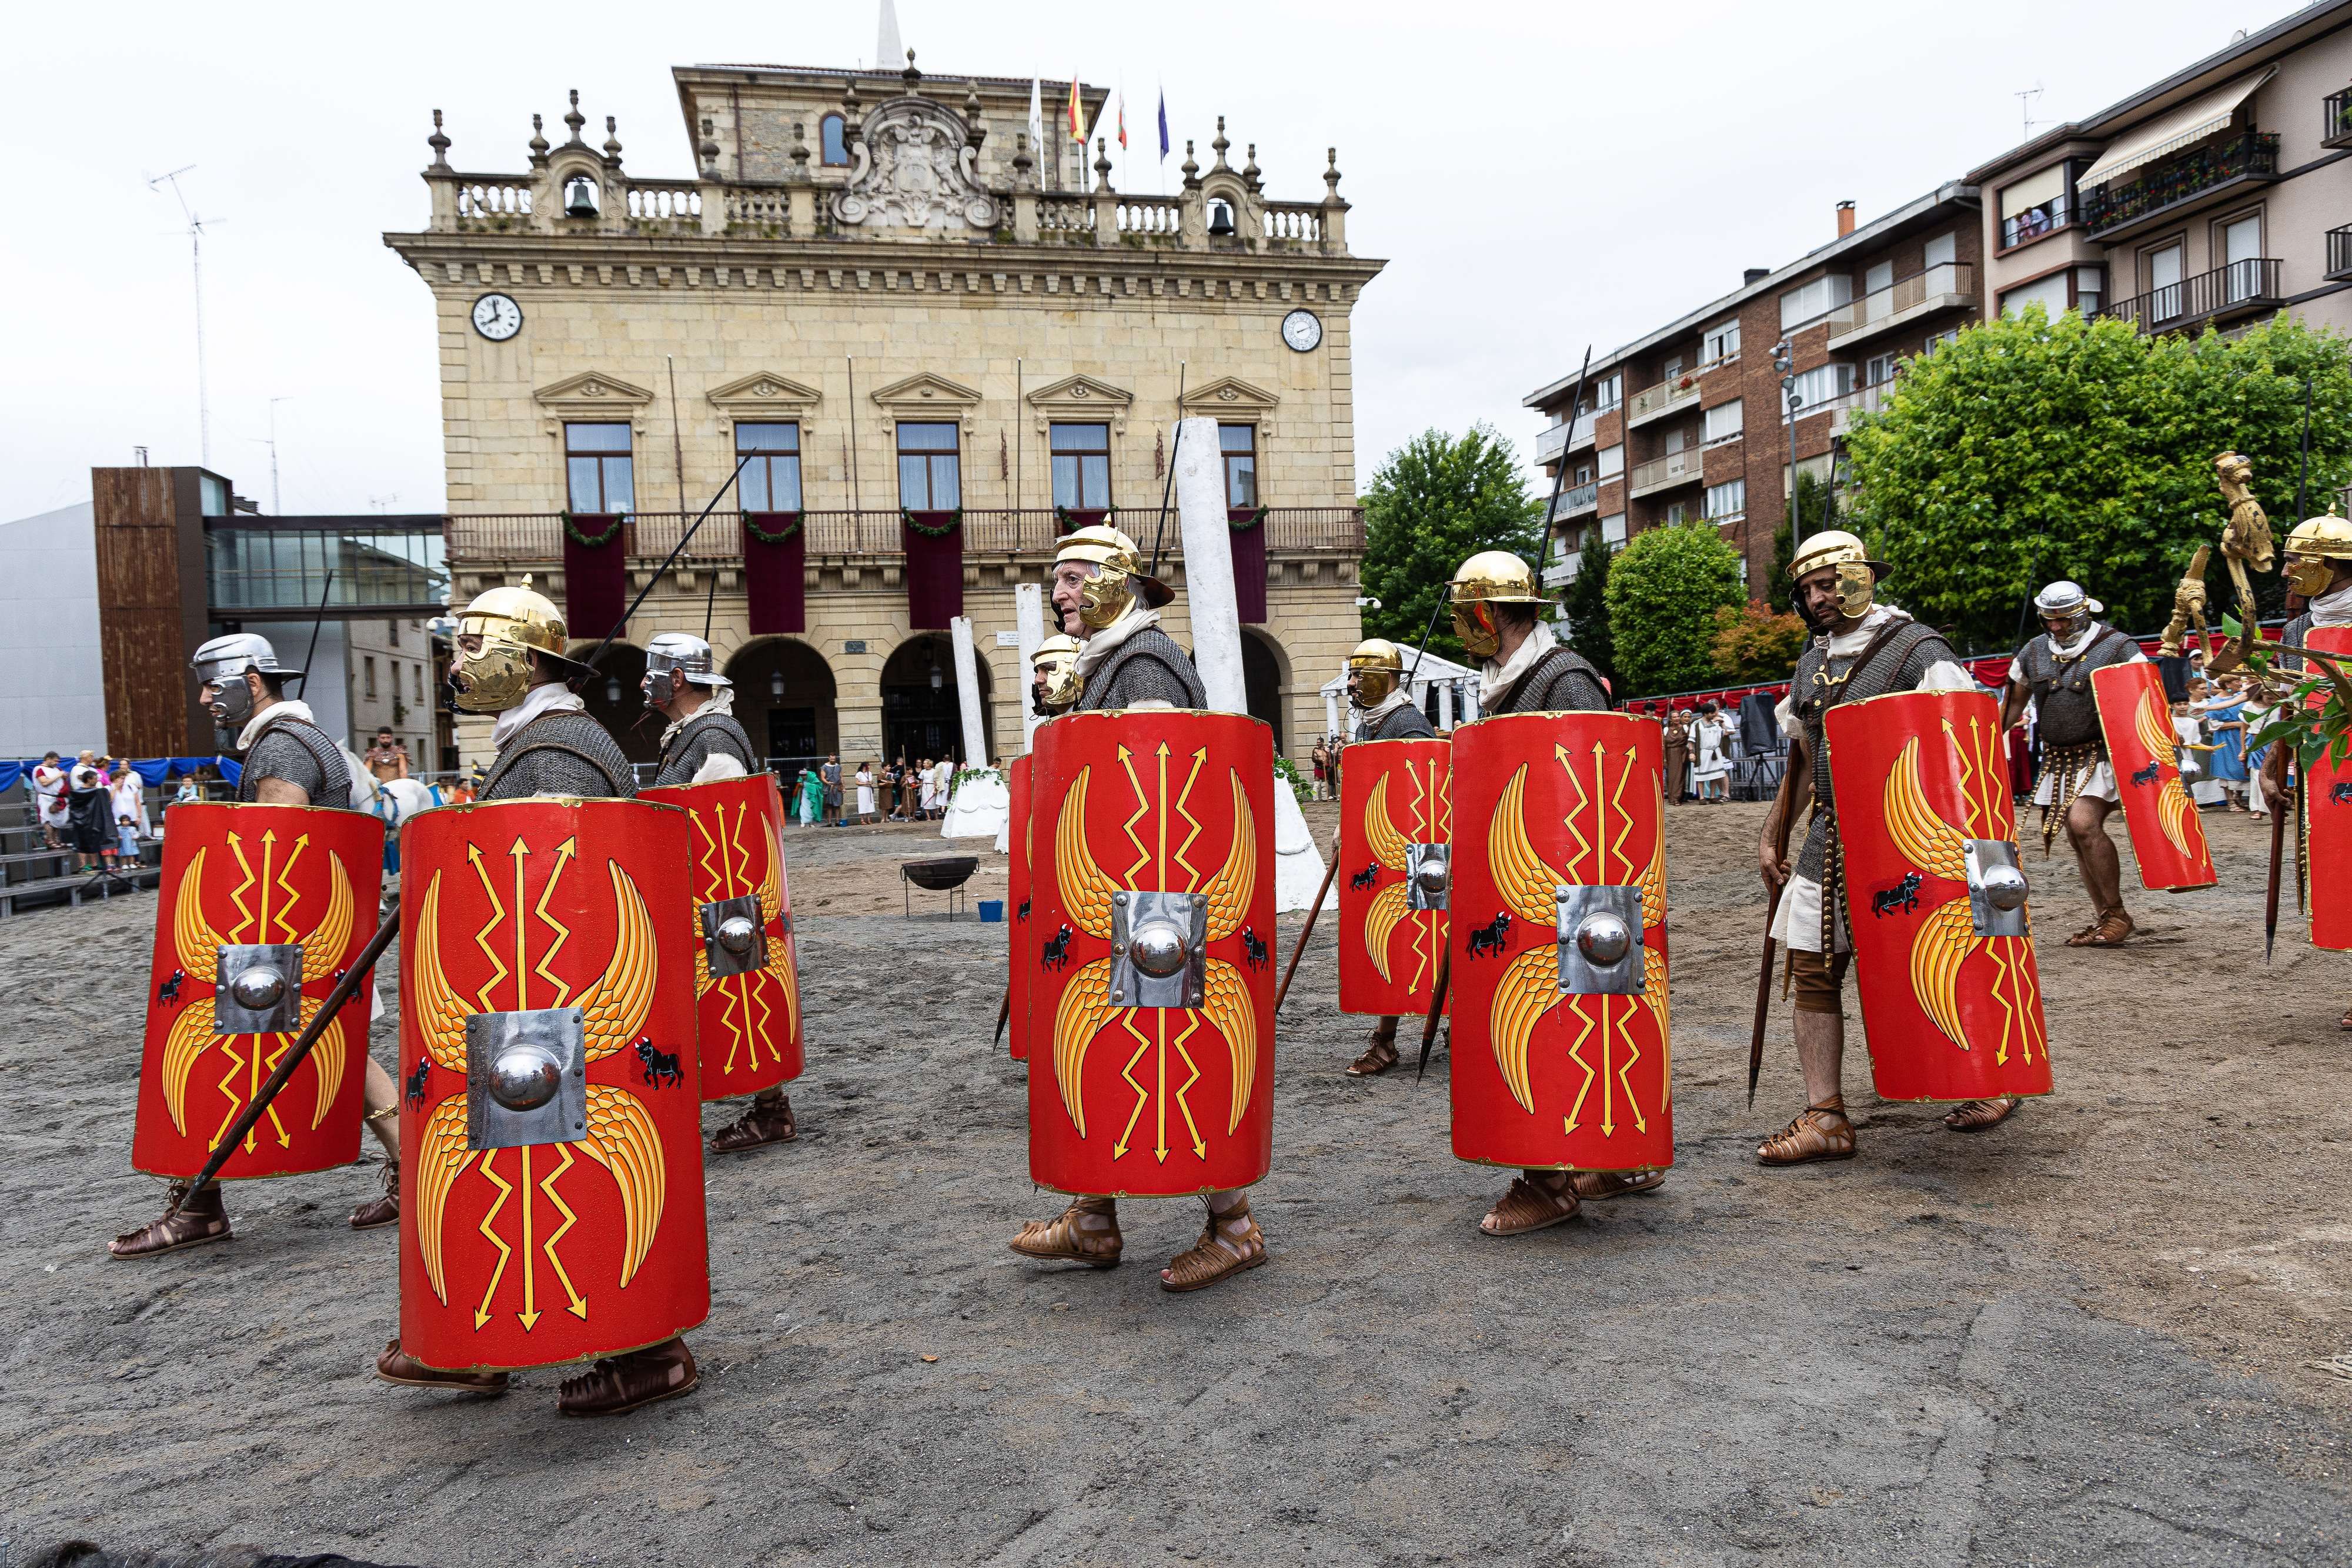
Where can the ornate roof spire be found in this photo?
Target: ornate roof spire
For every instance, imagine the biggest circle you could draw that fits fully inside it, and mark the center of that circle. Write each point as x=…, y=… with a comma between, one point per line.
x=975, y=131
x=1220, y=144
x=1250, y=175
x=538, y=142
x=1102, y=164
x=709, y=150
x=439, y=142
x=1331, y=178
x=575, y=120
x=1191, y=170
x=1024, y=166
x=911, y=77
x=612, y=142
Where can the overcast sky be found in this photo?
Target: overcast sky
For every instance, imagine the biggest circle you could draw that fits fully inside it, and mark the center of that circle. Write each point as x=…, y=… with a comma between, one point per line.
x=1538, y=176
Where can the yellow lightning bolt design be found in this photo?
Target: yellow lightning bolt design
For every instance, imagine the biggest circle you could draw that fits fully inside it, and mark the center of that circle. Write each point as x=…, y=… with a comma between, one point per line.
x=1624, y=817
x=575, y=1303
x=482, y=937
x=1184, y=808
x=1127, y=1074
x=1160, y=1027
x=285, y=1044
x=564, y=853
x=1608, y=1087
x=286, y=886
x=236, y=895
x=521, y=851
x=268, y=848
x=1575, y=1054
x=236, y=1065
x=1583, y=845
x=489, y=1233
x=1142, y=807
x=1192, y=1022
x=710, y=865
x=529, y=1314
x=1162, y=823
x=1633, y=1046
x=755, y=995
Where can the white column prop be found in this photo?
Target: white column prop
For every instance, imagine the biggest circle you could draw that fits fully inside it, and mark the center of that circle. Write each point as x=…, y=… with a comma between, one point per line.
x=1332, y=714
x=967, y=674
x=1445, y=706
x=1209, y=565
x=1029, y=615
x=1217, y=640
x=979, y=808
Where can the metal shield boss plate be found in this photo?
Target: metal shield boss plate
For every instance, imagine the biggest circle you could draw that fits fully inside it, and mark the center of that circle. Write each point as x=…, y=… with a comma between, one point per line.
x=1150, y=996
x=746, y=974
x=1937, y=898
x=1561, y=1055
x=1020, y=899
x=2168, y=837
x=261, y=908
x=2327, y=822
x=1396, y=831
x=551, y=1179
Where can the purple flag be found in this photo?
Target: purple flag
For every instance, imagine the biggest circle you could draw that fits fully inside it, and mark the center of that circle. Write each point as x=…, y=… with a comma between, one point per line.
x=1163, y=125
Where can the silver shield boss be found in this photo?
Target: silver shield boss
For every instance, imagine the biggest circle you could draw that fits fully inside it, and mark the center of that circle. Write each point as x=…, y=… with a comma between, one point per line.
x=1997, y=888
x=1427, y=875
x=257, y=988
x=1159, y=950
x=526, y=1078
x=1600, y=937
x=733, y=939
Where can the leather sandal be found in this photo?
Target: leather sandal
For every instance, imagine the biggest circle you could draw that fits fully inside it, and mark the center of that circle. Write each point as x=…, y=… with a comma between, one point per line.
x=384, y=1210
x=2345, y=1023
x=1594, y=1185
x=1531, y=1205
x=396, y=1365
x=1810, y=1137
x=1380, y=1055
x=1085, y=1232
x=620, y=1384
x=1976, y=1115
x=1231, y=1243
x=2111, y=930
x=202, y=1220
x=763, y=1122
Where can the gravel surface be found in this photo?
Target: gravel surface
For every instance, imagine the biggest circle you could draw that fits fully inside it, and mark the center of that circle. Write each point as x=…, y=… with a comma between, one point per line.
x=2092, y=1335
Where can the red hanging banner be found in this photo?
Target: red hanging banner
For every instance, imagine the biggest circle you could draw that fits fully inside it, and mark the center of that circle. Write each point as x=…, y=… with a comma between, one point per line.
x=934, y=546
x=775, y=566
x=595, y=573
x=1248, y=525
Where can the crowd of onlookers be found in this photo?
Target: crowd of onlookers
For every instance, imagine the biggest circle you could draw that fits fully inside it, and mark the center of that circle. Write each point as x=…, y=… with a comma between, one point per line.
x=876, y=792
x=95, y=807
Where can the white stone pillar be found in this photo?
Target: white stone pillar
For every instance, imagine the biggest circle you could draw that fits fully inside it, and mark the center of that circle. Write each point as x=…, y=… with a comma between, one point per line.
x=967, y=668
x=1331, y=716
x=1029, y=615
x=1445, y=706
x=1209, y=565
x=1469, y=701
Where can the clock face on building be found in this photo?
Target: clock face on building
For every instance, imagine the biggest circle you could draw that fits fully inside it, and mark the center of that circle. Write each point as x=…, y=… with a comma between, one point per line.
x=1301, y=331
x=497, y=317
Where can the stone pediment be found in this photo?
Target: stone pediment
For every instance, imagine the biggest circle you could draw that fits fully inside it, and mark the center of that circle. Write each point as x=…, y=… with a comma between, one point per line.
x=927, y=396
x=1230, y=397
x=764, y=394
x=1082, y=397
x=592, y=395
x=915, y=170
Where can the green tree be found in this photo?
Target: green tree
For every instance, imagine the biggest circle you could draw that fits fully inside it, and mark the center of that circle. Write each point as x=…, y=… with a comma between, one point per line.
x=1665, y=588
x=1753, y=643
x=2030, y=449
x=1815, y=504
x=1584, y=606
x=1436, y=501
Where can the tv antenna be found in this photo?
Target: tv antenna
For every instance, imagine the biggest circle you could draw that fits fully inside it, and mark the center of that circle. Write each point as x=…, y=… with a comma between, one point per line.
x=196, y=231
x=271, y=441
x=2026, y=102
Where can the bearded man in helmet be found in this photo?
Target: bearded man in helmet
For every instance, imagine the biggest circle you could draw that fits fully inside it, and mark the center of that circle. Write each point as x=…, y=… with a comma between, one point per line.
x=703, y=741
x=1860, y=648
x=2076, y=786
x=508, y=659
x=288, y=761
x=2318, y=566
x=1109, y=602
x=1382, y=707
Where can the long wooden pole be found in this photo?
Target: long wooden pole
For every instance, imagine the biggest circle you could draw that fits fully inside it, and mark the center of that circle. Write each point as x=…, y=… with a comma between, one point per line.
x=1313, y=910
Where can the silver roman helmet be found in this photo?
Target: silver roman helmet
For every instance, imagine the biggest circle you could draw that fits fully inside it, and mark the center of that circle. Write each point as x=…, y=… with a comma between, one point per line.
x=676, y=659
x=220, y=667
x=2065, y=609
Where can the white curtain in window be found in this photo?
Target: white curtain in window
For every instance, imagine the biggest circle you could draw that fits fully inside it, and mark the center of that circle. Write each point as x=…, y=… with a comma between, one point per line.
x=1611, y=460
x=1726, y=419
x=2050, y=294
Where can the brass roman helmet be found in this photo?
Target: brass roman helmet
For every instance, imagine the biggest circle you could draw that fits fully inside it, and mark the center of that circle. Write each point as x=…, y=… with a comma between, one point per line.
x=2315, y=542
x=1857, y=574
x=1055, y=661
x=497, y=635
x=1489, y=578
x=1374, y=672
x=1117, y=578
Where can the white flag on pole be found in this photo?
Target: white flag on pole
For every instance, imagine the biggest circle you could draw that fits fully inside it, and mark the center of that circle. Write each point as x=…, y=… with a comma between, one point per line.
x=1036, y=119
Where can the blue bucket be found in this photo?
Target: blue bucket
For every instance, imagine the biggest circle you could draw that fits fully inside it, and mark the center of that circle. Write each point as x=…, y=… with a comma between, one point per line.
x=991, y=912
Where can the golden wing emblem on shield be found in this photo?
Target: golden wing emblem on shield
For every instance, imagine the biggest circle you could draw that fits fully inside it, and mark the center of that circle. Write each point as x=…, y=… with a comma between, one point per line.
x=614, y=1009
x=2173, y=810
x=1085, y=889
x=1947, y=933
x=1530, y=986
x=1085, y=1008
x=1387, y=846
x=780, y=952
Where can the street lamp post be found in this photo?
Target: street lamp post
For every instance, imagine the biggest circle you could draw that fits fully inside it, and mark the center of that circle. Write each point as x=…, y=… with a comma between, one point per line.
x=1784, y=362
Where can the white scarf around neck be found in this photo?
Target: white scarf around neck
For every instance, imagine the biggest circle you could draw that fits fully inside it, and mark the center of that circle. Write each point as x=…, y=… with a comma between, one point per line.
x=1101, y=644
x=1495, y=679
x=281, y=708
x=1371, y=718
x=2332, y=609
x=553, y=697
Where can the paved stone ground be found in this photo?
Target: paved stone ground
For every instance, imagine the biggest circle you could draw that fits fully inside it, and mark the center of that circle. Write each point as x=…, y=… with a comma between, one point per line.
x=2089, y=1336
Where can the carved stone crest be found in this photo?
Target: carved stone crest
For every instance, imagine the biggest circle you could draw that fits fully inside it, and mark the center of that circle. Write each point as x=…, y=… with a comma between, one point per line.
x=914, y=169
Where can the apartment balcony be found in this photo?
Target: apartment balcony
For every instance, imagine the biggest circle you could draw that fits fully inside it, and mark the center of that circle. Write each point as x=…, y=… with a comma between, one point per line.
x=1579, y=501
x=1845, y=405
x=2339, y=254
x=1684, y=467
x=2335, y=119
x=2164, y=193
x=2241, y=289
x=1952, y=285
x=1655, y=403
x=2039, y=222
x=1558, y=441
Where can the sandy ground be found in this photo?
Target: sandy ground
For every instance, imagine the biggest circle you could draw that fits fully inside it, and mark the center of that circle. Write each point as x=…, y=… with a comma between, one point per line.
x=2089, y=1336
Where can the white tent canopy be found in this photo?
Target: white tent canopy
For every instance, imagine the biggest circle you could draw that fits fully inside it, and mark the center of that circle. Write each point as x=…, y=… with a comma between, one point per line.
x=1456, y=687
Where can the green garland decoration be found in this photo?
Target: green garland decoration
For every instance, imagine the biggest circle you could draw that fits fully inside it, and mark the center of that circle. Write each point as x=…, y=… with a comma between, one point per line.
x=1062, y=517
x=1252, y=520
x=572, y=531
x=955, y=521
x=764, y=536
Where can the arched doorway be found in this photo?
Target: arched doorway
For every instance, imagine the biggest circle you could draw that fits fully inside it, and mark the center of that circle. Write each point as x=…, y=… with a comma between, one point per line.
x=615, y=696
x=784, y=701
x=920, y=715
x=1262, y=685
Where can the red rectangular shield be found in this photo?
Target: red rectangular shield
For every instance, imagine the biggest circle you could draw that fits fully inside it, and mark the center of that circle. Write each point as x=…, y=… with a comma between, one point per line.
x=240, y=881
x=2168, y=837
x=1927, y=830
x=1395, y=819
x=1151, y=1001
x=1560, y=1040
x=2327, y=822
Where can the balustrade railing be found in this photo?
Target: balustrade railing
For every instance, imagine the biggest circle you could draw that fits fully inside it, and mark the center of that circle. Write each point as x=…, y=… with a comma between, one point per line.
x=1658, y=398
x=1675, y=468
x=2184, y=179
x=2335, y=119
x=1945, y=280
x=486, y=197
x=1301, y=222
x=1065, y=214
x=2242, y=285
x=759, y=207
x=659, y=206
x=1155, y=218
x=2339, y=252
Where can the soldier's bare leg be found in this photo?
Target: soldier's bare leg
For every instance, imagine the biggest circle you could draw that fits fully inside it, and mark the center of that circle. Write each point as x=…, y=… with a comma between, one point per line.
x=2102, y=874
x=1380, y=1054
x=1085, y=1232
x=768, y=1120
x=1230, y=1244
x=382, y=1099
x=1822, y=1131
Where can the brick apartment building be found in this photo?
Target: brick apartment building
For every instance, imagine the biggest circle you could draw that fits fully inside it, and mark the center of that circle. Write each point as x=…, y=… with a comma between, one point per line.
x=2210, y=198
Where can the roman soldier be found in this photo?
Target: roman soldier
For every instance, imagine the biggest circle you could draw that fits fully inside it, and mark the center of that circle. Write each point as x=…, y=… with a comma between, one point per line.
x=1859, y=649
x=1523, y=668
x=1383, y=709
x=2077, y=784
x=2318, y=566
x=1107, y=602
x=288, y=762
x=508, y=659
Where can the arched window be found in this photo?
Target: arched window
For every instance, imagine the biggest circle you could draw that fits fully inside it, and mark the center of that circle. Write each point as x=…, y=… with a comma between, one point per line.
x=836, y=148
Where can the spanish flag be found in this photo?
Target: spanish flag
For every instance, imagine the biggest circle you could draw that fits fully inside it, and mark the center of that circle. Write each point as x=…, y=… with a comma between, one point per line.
x=1077, y=114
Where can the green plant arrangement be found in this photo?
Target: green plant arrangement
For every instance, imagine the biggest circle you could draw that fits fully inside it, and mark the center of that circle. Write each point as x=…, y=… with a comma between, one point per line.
x=1061, y=516
x=1244, y=525
x=1288, y=771
x=957, y=782
x=573, y=532
x=752, y=527
x=955, y=521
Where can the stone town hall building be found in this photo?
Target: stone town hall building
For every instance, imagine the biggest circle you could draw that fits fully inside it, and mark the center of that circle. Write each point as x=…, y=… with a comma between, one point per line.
x=928, y=352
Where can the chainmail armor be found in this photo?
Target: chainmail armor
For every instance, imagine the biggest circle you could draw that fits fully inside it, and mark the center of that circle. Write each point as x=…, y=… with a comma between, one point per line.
x=697, y=741
x=2292, y=638
x=1562, y=681
x=2066, y=710
x=303, y=756
x=1407, y=722
x=588, y=765
x=1150, y=666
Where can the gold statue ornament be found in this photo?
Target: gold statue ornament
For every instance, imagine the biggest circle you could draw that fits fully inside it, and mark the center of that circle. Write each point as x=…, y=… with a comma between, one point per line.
x=2245, y=541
